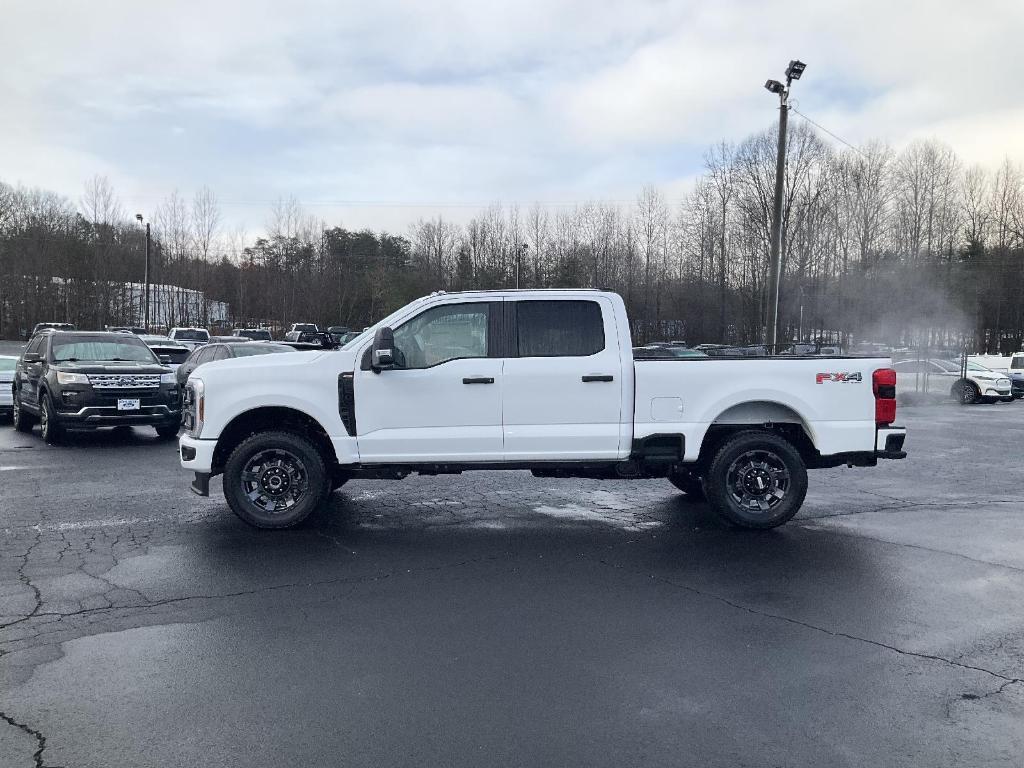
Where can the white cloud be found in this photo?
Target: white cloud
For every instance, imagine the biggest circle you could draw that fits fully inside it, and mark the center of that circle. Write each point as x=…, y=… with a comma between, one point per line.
x=466, y=100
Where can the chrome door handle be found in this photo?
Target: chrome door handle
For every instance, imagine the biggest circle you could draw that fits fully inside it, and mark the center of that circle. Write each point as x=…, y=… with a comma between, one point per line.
x=478, y=380
x=598, y=377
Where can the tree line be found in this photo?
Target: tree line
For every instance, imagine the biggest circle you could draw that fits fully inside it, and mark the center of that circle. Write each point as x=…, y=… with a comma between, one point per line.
x=909, y=247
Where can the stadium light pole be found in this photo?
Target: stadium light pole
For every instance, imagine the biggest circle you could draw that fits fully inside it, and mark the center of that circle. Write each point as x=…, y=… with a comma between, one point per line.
x=145, y=297
x=793, y=72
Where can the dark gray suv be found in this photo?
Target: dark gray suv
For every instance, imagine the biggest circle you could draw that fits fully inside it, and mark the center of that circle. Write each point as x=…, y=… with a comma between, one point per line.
x=84, y=380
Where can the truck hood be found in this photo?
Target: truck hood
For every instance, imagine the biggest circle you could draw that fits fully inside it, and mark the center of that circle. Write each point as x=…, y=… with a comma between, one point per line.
x=273, y=366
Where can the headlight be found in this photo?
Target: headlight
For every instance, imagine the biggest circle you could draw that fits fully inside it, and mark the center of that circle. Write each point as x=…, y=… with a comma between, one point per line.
x=168, y=378
x=196, y=403
x=71, y=378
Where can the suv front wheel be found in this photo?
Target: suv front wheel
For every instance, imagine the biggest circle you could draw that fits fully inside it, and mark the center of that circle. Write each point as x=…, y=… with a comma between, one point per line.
x=49, y=426
x=275, y=479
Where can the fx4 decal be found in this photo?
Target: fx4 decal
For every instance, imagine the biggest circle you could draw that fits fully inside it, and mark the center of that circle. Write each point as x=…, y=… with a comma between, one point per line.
x=821, y=378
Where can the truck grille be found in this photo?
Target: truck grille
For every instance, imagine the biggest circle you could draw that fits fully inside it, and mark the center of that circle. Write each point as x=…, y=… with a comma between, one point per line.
x=124, y=381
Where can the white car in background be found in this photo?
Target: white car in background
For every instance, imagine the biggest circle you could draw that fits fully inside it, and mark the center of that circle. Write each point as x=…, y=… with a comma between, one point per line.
x=190, y=337
x=997, y=363
x=7, y=365
x=1016, y=374
x=942, y=377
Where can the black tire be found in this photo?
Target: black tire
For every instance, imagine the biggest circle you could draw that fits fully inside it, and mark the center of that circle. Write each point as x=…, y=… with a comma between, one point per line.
x=756, y=480
x=966, y=392
x=49, y=423
x=690, y=484
x=167, y=431
x=275, y=480
x=23, y=420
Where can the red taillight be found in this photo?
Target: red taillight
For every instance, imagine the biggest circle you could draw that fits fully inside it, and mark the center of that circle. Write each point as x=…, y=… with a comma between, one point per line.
x=883, y=384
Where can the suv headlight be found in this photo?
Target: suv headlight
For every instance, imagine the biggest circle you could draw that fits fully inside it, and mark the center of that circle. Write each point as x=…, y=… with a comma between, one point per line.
x=71, y=378
x=168, y=378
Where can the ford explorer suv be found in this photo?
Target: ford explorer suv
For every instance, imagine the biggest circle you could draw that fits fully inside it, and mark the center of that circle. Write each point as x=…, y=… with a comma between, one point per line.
x=544, y=381
x=84, y=380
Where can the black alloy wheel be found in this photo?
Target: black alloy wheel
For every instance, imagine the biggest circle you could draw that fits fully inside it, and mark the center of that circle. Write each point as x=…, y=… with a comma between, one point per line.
x=756, y=480
x=275, y=479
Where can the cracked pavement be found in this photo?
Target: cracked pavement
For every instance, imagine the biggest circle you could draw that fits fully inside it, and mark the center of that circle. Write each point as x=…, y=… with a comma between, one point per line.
x=494, y=618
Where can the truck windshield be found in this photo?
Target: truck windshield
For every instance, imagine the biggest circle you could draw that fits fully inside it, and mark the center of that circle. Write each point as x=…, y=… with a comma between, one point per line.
x=101, y=349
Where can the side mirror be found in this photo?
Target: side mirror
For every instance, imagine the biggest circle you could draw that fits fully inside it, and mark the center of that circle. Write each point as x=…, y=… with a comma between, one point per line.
x=32, y=357
x=382, y=355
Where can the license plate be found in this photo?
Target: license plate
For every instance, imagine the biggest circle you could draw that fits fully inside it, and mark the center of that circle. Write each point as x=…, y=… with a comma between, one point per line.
x=128, y=404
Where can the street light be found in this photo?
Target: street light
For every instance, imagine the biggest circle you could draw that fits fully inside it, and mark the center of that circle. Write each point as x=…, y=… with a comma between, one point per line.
x=793, y=72
x=145, y=298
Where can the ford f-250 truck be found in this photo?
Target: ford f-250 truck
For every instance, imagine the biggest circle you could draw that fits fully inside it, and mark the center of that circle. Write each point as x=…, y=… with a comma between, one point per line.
x=538, y=380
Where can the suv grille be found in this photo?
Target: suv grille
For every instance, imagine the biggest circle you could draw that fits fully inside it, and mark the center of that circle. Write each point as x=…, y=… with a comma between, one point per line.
x=124, y=381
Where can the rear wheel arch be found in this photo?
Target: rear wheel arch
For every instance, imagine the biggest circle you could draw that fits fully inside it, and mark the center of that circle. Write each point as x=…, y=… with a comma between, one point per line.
x=767, y=416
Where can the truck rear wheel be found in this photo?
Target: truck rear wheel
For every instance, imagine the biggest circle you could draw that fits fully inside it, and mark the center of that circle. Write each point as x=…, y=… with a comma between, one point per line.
x=275, y=480
x=756, y=480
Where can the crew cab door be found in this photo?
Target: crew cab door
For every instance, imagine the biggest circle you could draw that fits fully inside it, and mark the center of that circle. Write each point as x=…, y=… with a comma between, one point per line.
x=442, y=401
x=563, y=380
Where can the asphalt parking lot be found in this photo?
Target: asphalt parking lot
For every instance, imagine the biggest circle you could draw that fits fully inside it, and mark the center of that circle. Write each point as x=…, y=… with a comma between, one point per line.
x=497, y=619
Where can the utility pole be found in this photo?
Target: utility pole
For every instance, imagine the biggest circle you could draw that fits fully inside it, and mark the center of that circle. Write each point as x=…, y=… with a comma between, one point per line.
x=793, y=72
x=145, y=296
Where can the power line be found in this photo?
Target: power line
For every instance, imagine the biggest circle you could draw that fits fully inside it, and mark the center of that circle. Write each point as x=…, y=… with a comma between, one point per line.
x=838, y=138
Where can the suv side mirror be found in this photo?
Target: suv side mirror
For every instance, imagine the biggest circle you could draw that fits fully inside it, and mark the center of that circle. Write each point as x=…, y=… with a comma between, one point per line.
x=32, y=357
x=382, y=354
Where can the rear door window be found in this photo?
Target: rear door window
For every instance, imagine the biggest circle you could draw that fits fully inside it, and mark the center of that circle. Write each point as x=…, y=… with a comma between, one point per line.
x=559, y=328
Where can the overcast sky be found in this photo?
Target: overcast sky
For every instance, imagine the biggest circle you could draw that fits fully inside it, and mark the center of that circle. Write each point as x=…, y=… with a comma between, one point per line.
x=409, y=105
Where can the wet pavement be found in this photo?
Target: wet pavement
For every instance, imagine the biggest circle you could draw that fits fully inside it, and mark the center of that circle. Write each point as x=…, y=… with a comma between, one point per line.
x=494, y=618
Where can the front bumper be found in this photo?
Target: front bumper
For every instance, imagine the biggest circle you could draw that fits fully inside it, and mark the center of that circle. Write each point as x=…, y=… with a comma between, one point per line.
x=196, y=455
x=108, y=416
x=889, y=442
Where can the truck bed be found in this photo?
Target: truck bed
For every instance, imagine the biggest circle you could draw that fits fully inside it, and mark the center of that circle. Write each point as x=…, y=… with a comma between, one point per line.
x=830, y=397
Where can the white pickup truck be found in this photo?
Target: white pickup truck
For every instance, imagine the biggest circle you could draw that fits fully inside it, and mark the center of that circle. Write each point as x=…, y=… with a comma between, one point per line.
x=537, y=380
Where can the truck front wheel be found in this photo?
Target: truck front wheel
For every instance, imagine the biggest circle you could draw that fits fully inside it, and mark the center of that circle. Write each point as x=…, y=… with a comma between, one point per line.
x=275, y=480
x=756, y=480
